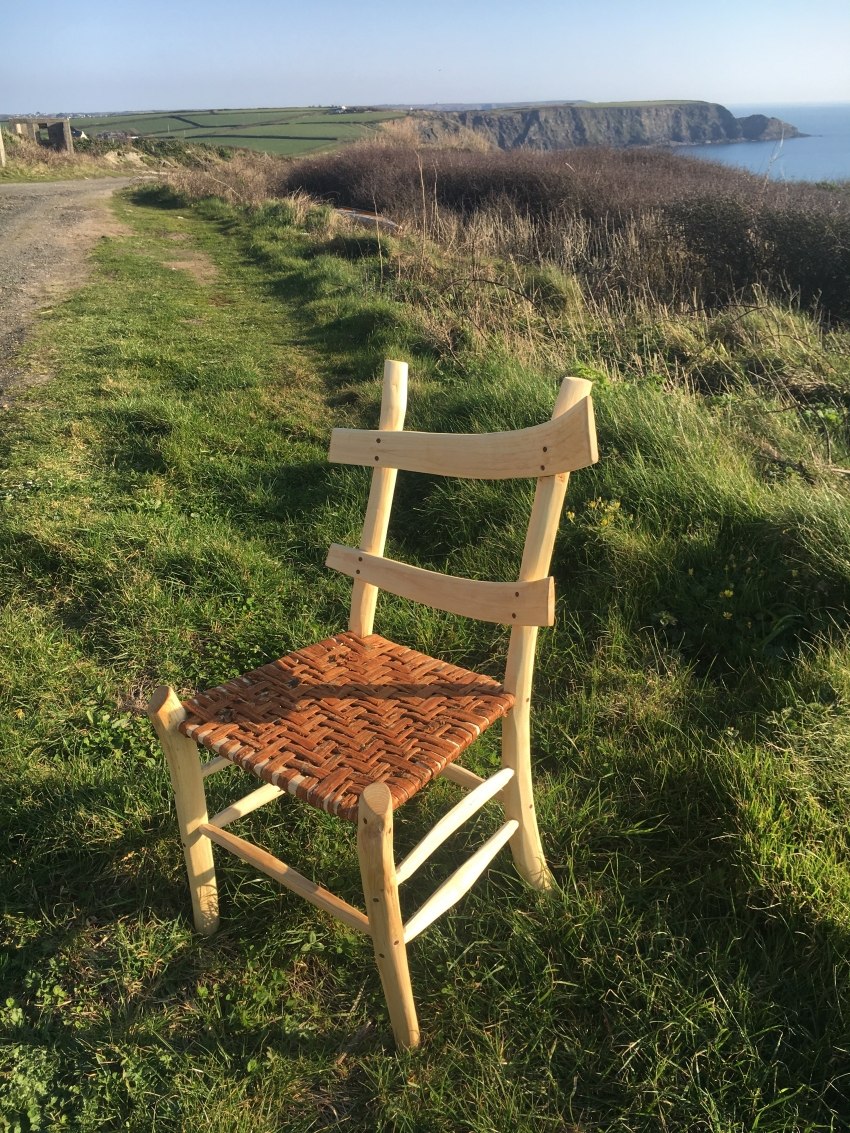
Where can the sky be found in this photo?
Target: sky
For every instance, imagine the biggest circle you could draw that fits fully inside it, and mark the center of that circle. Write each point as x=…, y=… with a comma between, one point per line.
x=101, y=55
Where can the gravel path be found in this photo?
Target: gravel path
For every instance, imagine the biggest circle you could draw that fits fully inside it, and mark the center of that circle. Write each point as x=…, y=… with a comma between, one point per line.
x=46, y=232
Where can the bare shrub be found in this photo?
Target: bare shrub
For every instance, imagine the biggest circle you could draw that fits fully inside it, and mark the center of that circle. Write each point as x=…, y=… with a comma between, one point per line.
x=248, y=178
x=25, y=154
x=416, y=132
x=641, y=222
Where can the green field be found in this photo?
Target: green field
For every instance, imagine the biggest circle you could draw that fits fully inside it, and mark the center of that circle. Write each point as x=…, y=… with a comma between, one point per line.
x=286, y=129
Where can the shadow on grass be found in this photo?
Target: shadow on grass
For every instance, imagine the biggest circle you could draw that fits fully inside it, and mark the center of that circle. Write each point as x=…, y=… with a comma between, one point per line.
x=677, y=902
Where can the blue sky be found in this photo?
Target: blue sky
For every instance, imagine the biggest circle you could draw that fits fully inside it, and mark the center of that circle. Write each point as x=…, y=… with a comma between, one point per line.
x=98, y=55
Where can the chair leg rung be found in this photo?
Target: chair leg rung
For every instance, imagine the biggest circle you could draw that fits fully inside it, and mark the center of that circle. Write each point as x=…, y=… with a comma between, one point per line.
x=217, y=764
x=456, y=773
x=261, y=797
x=451, y=821
x=460, y=882
x=287, y=876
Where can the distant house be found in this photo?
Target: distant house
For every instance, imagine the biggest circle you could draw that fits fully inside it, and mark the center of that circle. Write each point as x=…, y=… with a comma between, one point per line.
x=339, y=109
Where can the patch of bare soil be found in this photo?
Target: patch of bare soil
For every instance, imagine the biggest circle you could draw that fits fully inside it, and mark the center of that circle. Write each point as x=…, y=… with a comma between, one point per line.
x=46, y=232
x=197, y=264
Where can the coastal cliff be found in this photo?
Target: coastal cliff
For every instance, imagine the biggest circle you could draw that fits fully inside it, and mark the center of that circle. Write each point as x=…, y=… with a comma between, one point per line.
x=620, y=124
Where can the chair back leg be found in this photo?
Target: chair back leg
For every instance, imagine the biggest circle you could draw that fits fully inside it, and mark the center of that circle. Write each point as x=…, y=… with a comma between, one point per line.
x=518, y=795
x=518, y=799
x=166, y=713
x=380, y=889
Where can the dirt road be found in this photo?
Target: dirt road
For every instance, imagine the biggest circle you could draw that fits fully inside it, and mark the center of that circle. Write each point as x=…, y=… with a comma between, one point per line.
x=46, y=232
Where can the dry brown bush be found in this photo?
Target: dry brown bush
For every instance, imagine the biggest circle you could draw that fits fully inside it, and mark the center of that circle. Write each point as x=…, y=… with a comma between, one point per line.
x=25, y=155
x=638, y=222
x=415, y=132
x=248, y=178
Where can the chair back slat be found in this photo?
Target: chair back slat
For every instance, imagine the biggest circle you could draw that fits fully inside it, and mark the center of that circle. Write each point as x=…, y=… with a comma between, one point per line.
x=548, y=452
x=509, y=603
x=565, y=443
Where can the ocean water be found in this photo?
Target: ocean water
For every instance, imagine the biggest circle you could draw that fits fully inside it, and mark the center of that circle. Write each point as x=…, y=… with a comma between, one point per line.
x=824, y=156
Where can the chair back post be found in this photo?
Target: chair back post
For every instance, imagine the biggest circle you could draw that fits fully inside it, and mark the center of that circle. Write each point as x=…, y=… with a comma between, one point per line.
x=518, y=796
x=373, y=539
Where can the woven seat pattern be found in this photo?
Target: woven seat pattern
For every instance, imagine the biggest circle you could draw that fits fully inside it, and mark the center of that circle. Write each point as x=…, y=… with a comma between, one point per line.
x=326, y=721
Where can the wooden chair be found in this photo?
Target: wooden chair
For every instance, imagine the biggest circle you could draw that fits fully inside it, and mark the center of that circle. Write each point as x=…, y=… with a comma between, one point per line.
x=356, y=724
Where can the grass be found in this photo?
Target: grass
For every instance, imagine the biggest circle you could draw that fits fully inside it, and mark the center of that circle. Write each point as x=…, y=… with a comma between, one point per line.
x=166, y=510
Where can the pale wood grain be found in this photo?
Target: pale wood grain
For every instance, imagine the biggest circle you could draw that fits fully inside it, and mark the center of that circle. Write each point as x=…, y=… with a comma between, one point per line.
x=465, y=778
x=213, y=765
x=380, y=888
x=261, y=797
x=460, y=882
x=565, y=443
x=184, y=766
x=518, y=797
x=451, y=821
x=374, y=536
x=521, y=603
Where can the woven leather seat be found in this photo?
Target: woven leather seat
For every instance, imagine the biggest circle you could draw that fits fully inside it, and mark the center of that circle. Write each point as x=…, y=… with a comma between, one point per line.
x=326, y=721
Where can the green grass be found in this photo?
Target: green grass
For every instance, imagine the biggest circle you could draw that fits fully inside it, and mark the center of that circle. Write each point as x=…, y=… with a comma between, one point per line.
x=166, y=508
x=287, y=130
x=17, y=175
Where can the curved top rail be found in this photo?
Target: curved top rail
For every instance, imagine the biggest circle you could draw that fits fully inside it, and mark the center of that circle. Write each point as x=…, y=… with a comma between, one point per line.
x=565, y=443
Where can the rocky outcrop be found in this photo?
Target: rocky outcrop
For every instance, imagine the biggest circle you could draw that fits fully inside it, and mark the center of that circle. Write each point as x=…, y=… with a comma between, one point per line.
x=760, y=128
x=624, y=124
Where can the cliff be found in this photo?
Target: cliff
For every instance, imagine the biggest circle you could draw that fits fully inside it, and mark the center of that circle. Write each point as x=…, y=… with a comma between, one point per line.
x=615, y=124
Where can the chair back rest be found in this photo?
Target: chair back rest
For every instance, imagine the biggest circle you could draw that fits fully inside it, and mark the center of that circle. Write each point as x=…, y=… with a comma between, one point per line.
x=548, y=452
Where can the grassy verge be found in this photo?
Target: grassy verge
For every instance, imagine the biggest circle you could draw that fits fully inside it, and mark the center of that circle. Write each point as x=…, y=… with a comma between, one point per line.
x=28, y=161
x=166, y=508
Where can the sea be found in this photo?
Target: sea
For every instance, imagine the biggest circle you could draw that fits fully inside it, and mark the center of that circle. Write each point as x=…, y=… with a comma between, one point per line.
x=822, y=156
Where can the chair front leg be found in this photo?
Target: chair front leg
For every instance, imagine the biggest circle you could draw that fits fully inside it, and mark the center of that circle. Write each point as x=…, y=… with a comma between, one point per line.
x=380, y=889
x=166, y=713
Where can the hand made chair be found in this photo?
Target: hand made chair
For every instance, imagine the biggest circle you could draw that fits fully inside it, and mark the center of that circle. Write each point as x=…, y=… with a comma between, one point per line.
x=356, y=724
